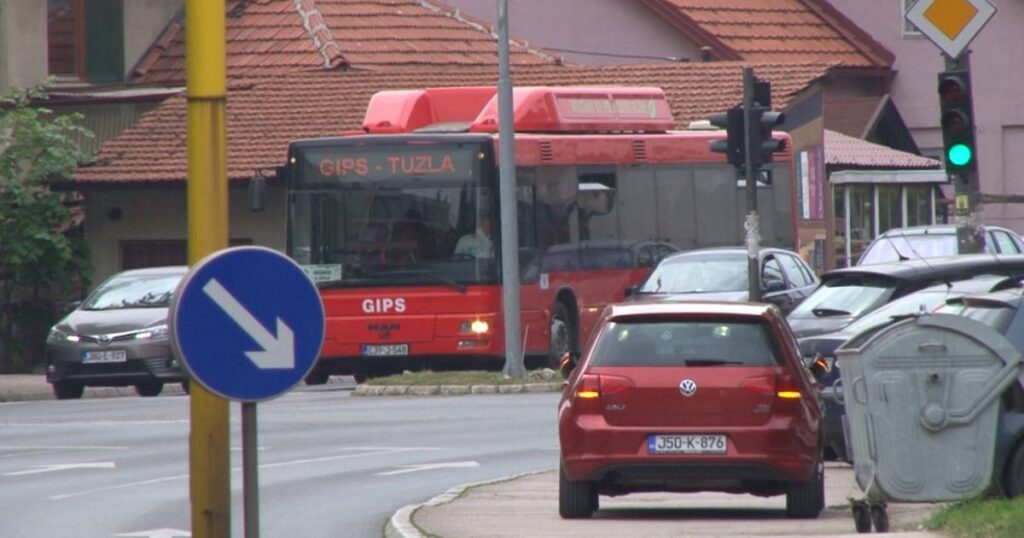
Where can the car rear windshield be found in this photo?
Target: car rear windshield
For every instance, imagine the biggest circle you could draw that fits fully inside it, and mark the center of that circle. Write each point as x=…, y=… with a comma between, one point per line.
x=694, y=274
x=996, y=316
x=896, y=247
x=640, y=342
x=846, y=296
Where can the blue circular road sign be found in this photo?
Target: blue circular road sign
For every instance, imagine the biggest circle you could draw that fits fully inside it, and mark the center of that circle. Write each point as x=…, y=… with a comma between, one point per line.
x=247, y=322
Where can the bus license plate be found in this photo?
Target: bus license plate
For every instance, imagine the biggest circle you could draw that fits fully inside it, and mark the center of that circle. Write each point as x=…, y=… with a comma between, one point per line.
x=686, y=444
x=382, y=350
x=108, y=355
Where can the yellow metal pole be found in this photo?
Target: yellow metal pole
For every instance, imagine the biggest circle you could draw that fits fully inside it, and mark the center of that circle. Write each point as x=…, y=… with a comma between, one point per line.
x=206, y=81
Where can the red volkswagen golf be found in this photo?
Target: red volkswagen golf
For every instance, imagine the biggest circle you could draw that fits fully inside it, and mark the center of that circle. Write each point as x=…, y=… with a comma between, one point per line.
x=690, y=396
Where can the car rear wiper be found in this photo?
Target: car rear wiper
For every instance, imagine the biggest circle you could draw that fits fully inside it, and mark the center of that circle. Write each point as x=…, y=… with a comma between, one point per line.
x=712, y=362
x=823, y=312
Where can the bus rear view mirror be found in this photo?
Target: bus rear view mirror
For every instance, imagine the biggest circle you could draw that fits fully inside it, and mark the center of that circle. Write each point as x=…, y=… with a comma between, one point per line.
x=257, y=193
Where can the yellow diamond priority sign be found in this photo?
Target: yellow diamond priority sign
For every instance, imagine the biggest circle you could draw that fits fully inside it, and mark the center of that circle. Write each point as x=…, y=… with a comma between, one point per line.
x=951, y=24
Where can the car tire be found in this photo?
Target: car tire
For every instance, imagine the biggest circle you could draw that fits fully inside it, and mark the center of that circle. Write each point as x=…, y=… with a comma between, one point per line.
x=149, y=389
x=805, y=500
x=1013, y=477
x=317, y=378
x=561, y=335
x=68, y=390
x=576, y=500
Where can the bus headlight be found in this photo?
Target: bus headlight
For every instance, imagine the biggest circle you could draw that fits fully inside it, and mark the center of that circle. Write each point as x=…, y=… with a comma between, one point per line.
x=475, y=327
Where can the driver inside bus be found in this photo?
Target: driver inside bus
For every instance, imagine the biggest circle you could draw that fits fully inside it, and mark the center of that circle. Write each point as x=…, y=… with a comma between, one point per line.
x=477, y=244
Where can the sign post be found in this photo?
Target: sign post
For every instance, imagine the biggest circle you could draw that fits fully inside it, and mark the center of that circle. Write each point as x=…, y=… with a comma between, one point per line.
x=952, y=25
x=248, y=324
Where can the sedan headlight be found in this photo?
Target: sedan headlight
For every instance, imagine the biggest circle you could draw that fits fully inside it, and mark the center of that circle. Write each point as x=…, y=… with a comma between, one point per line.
x=58, y=335
x=152, y=333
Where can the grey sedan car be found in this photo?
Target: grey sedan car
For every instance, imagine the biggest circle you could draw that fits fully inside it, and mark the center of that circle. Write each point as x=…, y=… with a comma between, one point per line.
x=117, y=336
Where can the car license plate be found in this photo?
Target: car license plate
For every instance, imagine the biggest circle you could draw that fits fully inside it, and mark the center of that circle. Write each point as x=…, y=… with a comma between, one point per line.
x=686, y=444
x=107, y=355
x=382, y=350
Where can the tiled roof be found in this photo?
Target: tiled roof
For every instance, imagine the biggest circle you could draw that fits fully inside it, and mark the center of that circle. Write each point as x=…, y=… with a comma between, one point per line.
x=263, y=118
x=774, y=31
x=271, y=37
x=842, y=150
x=852, y=116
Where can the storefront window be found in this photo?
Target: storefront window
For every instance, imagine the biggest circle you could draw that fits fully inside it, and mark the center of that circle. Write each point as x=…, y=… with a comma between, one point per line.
x=919, y=205
x=890, y=209
x=861, y=218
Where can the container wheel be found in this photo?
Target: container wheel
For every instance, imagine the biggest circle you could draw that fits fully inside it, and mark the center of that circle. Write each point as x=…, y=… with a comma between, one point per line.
x=879, y=518
x=861, y=517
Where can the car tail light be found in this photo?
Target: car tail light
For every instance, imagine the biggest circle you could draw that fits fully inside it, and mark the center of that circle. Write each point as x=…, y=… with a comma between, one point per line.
x=787, y=389
x=593, y=387
x=761, y=385
x=780, y=386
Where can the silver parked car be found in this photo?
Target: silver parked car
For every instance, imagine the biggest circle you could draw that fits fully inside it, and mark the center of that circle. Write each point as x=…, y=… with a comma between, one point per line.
x=117, y=336
x=933, y=241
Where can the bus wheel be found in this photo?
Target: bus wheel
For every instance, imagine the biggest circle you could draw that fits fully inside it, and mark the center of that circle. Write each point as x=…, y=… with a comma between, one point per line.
x=317, y=377
x=561, y=334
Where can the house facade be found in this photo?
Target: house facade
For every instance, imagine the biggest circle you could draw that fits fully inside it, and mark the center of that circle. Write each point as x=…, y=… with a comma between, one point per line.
x=996, y=78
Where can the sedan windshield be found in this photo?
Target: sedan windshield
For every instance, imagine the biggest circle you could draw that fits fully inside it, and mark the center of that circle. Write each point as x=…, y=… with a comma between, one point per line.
x=137, y=291
x=851, y=296
x=699, y=275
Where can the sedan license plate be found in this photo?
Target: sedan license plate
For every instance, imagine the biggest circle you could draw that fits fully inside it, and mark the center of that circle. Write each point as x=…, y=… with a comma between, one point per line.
x=382, y=350
x=686, y=444
x=107, y=355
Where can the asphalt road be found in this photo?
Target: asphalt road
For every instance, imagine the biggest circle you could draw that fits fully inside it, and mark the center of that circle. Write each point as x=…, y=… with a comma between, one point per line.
x=330, y=465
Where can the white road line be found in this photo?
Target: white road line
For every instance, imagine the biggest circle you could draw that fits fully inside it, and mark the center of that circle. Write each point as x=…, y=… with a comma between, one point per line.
x=430, y=467
x=63, y=467
x=61, y=447
x=379, y=452
x=92, y=423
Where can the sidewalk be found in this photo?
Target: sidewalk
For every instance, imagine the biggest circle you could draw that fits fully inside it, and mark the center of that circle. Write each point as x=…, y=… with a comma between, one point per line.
x=30, y=387
x=527, y=505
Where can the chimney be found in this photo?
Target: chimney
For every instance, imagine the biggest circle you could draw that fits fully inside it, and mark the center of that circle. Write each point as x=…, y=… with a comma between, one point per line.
x=705, y=54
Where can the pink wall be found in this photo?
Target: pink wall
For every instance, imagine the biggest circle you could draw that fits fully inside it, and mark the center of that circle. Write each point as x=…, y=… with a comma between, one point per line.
x=619, y=27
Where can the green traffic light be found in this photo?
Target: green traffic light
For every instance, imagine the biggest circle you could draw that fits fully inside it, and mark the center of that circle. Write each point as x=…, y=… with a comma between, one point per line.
x=959, y=154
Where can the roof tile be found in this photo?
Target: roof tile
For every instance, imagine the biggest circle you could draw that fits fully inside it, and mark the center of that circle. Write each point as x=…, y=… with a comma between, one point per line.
x=842, y=150
x=264, y=117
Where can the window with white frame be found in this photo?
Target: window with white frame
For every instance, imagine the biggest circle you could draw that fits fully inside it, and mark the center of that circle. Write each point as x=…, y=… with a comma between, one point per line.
x=908, y=27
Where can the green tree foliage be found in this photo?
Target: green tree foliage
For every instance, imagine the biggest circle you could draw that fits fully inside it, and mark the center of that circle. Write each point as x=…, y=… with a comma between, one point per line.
x=40, y=265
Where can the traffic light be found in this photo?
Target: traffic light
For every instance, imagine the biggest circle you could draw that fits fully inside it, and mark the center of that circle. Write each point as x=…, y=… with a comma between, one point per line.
x=733, y=146
x=763, y=120
x=957, y=121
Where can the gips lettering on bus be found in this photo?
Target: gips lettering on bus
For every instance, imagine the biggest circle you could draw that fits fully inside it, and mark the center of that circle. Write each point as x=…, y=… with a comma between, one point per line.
x=384, y=305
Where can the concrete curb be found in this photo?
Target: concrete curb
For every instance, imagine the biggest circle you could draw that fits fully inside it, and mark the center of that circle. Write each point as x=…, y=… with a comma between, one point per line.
x=400, y=524
x=453, y=390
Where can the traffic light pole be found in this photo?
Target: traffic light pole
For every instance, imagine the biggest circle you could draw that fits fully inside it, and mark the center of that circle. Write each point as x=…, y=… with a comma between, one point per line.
x=969, y=232
x=750, y=140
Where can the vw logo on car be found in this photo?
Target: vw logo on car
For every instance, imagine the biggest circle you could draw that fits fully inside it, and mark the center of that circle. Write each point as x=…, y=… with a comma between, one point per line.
x=687, y=387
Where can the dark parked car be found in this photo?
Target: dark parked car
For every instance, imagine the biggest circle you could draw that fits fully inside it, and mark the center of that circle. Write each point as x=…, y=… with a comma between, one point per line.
x=825, y=345
x=690, y=396
x=1004, y=312
x=933, y=241
x=721, y=274
x=117, y=336
x=851, y=292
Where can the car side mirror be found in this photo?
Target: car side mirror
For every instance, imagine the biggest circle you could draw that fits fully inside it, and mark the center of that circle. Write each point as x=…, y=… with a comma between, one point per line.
x=568, y=363
x=71, y=306
x=819, y=366
x=773, y=286
x=631, y=290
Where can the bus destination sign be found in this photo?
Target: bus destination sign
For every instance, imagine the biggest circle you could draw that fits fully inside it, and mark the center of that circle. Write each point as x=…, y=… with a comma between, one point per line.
x=367, y=163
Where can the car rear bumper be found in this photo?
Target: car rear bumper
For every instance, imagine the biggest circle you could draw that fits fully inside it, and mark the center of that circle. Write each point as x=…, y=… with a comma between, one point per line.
x=757, y=457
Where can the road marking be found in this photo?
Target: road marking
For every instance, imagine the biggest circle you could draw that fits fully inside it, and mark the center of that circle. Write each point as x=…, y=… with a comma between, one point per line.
x=374, y=451
x=430, y=467
x=93, y=423
x=63, y=467
x=160, y=533
x=61, y=447
x=278, y=352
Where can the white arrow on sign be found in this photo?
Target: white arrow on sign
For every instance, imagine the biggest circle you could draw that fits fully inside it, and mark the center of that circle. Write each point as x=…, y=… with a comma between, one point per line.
x=160, y=533
x=429, y=467
x=64, y=467
x=277, y=352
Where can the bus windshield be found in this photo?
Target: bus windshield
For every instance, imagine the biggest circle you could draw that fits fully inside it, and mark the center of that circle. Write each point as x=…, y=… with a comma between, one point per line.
x=395, y=214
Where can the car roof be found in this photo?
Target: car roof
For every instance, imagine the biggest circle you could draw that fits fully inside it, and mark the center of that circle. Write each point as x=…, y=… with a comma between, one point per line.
x=947, y=267
x=604, y=244
x=165, y=270
x=666, y=305
x=741, y=250
x=927, y=229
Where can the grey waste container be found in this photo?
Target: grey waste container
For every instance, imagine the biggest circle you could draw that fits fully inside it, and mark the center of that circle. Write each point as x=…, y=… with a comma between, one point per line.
x=921, y=400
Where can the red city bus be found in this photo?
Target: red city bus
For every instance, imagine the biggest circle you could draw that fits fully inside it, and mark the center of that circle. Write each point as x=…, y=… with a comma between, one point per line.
x=399, y=225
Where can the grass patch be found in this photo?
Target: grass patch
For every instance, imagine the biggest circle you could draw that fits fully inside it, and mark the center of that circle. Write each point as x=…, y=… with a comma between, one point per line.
x=981, y=518
x=473, y=377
